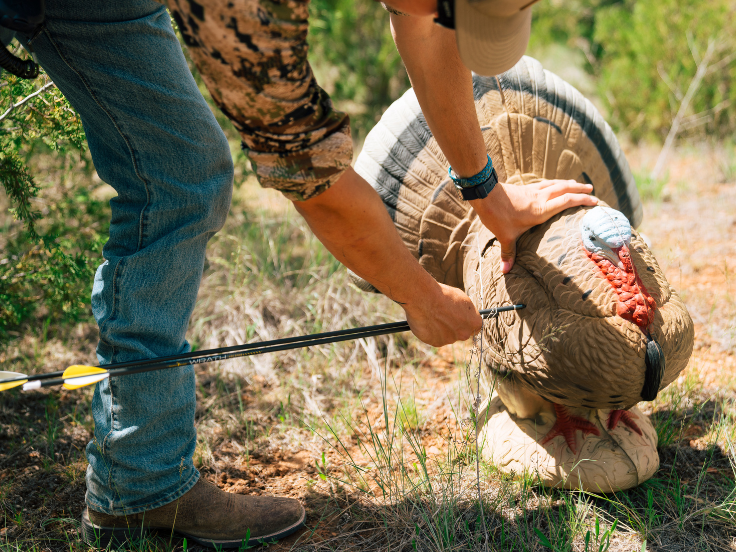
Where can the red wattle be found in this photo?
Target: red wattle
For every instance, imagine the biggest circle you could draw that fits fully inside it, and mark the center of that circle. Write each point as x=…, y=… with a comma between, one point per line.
x=634, y=302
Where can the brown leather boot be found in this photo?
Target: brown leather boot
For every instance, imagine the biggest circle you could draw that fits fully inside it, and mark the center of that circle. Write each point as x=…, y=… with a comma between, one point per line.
x=206, y=515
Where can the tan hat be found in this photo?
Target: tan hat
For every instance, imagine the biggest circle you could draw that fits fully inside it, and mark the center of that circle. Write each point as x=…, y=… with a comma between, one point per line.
x=492, y=35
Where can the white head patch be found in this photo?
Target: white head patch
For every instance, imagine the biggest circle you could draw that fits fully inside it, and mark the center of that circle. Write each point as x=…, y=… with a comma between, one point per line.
x=603, y=230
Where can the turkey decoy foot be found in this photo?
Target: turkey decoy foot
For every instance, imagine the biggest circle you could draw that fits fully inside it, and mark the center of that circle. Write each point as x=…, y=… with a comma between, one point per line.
x=616, y=416
x=566, y=425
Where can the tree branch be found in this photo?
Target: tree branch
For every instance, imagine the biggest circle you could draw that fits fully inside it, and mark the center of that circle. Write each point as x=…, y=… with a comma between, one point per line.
x=704, y=116
x=693, y=47
x=692, y=89
x=27, y=98
x=721, y=64
x=668, y=81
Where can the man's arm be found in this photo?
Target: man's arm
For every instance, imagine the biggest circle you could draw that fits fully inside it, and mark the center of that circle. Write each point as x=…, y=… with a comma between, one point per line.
x=351, y=221
x=302, y=147
x=444, y=88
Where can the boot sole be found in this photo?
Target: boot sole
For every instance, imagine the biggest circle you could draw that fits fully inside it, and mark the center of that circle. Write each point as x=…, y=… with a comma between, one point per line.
x=96, y=535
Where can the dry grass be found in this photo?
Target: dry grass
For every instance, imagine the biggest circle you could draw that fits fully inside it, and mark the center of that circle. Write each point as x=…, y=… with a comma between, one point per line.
x=375, y=436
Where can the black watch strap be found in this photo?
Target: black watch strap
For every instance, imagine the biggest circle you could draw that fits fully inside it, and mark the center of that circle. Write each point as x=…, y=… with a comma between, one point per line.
x=445, y=14
x=481, y=190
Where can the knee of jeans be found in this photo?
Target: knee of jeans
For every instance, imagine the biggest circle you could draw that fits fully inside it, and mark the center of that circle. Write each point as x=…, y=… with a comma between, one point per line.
x=216, y=194
x=221, y=206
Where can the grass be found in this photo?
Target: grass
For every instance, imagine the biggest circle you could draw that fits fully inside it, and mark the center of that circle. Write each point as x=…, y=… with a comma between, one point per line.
x=650, y=189
x=375, y=437
x=437, y=497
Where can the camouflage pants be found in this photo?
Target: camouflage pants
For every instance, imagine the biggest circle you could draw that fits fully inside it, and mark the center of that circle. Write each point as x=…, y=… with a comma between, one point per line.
x=252, y=55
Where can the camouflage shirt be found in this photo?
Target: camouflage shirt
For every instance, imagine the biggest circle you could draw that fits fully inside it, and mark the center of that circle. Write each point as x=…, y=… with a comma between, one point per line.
x=252, y=55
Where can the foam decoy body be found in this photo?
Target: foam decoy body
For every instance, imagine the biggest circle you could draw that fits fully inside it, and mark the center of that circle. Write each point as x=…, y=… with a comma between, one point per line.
x=603, y=329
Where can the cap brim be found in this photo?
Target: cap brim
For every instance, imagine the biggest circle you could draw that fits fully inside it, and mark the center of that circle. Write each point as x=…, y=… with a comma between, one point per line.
x=490, y=45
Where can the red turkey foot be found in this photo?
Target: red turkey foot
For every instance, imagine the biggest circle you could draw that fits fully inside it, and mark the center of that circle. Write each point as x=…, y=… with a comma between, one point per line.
x=624, y=416
x=566, y=425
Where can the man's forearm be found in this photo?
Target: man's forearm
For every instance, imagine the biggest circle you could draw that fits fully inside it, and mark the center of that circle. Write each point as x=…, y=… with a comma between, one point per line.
x=351, y=221
x=444, y=88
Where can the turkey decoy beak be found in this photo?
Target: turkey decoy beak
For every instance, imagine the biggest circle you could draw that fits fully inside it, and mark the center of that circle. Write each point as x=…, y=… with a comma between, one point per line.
x=622, y=254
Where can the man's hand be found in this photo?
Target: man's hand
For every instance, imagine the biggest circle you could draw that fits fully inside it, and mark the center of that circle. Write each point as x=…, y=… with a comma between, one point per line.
x=511, y=210
x=444, y=318
x=351, y=221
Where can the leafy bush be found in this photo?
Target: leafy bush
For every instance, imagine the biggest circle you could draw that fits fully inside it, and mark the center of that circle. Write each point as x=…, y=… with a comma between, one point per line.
x=355, y=60
x=46, y=269
x=643, y=55
x=569, y=22
x=648, y=62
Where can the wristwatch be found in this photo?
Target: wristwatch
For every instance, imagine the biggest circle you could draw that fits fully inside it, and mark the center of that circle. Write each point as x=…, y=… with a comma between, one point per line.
x=477, y=191
x=477, y=186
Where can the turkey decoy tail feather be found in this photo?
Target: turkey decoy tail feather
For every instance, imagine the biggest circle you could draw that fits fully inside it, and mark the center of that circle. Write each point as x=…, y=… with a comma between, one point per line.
x=654, y=361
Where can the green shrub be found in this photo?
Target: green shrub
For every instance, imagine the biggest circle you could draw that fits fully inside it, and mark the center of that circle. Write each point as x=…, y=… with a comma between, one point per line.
x=641, y=55
x=568, y=22
x=647, y=63
x=51, y=243
x=355, y=60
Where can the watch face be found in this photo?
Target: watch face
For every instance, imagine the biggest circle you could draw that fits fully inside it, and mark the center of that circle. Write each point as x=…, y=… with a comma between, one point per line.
x=481, y=190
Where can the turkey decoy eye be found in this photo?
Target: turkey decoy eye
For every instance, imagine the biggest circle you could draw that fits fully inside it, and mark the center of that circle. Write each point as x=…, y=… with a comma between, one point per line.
x=592, y=238
x=587, y=294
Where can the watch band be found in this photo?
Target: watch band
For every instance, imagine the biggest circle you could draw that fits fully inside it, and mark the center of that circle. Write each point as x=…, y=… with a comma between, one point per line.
x=474, y=180
x=479, y=191
x=445, y=14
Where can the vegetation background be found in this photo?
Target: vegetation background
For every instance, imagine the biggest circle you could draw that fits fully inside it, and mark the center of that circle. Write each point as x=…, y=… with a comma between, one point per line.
x=663, y=72
x=637, y=58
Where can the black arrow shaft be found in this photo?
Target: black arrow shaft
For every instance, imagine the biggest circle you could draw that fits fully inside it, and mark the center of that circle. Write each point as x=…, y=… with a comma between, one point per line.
x=191, y=357
x=126, y=371
x=248, y=349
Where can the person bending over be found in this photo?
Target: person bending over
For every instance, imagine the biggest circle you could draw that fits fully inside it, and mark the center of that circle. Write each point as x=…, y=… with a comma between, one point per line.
x=154, y=140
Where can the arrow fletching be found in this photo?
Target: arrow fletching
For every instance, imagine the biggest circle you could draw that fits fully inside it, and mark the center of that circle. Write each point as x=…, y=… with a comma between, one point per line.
x=76, y=383
x=78, y=371
x=80, y=376
x=11, y=384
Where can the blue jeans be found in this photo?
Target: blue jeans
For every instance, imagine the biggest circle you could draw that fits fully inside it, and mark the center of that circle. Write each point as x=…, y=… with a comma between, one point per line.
x=154, y=139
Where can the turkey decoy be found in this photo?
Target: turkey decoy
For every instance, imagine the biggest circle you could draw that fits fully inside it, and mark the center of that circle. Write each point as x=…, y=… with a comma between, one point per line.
x=602, y=330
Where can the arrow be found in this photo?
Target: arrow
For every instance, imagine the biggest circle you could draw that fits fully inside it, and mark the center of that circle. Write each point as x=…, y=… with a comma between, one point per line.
x=8, y=380
x=77, y=376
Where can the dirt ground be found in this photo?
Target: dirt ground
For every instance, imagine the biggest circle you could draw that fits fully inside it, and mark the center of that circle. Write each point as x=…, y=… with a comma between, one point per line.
x=691, y=225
